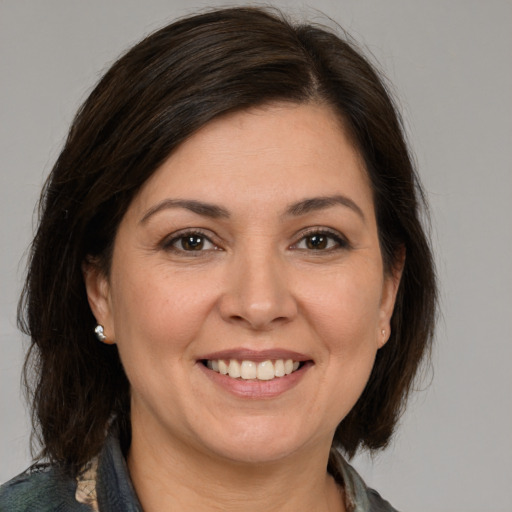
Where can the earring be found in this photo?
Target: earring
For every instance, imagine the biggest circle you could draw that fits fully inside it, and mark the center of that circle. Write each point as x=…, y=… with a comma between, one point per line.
x=98, y=330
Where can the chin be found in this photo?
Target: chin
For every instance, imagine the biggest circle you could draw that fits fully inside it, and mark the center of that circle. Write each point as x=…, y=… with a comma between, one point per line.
x=255, y=454
x=258, y=443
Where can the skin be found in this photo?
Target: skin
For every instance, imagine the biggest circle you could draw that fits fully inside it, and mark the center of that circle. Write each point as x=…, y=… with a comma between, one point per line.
x=257, y=282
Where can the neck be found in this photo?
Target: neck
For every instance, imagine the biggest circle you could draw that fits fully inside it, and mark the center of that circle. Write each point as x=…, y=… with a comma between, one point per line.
x=180, y=475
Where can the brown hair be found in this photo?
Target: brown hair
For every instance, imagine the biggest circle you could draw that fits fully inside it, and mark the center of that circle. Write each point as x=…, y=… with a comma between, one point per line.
x=153, y=98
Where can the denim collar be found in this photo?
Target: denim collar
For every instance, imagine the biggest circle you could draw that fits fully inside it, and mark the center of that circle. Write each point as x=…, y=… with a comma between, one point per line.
x=104, y=483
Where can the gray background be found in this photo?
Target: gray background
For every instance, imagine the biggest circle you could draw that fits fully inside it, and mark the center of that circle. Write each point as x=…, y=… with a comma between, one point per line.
x=451, y=64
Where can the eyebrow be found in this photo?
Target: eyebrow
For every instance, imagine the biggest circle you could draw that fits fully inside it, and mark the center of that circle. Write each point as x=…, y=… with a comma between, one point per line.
x=321, y=203
x=205, y=209
x=216, y=212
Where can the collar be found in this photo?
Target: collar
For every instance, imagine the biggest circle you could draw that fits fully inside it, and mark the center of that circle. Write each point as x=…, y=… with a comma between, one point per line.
x=104, y=483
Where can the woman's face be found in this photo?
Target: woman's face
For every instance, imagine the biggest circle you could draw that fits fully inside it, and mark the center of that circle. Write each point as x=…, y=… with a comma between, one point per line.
x=254, y=244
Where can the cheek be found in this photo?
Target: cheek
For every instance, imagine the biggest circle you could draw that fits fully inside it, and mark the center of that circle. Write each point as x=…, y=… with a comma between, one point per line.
x=156, y=321
x=157, y=314
x=345, y=308
x=346, y=326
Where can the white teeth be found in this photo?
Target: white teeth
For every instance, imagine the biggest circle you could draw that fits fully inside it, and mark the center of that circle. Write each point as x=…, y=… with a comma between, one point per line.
x=213, y=365
x=234, y=368
x=266, y=370
x=279, y=368
x=223, y=367
x=250, y=370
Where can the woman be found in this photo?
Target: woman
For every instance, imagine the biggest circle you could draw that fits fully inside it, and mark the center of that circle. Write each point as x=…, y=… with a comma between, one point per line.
x=230, y=285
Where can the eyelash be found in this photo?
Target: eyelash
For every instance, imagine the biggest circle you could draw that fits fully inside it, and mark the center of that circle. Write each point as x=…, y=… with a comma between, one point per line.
x=339, y=241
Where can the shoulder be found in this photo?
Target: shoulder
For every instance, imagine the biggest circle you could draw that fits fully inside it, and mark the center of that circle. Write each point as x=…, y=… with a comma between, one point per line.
x=377, y=503
x=41, y=488
x=359, y=497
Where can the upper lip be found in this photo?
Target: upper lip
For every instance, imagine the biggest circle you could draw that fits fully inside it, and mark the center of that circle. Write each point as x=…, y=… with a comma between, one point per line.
x=244, y=354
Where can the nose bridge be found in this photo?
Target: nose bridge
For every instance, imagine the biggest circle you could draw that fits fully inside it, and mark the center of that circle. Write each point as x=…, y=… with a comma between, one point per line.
x=258, y=293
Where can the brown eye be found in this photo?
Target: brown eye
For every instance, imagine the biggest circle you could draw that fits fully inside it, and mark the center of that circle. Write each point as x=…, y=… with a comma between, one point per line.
x=192, y=243
x=316, y=242
x=321, y=241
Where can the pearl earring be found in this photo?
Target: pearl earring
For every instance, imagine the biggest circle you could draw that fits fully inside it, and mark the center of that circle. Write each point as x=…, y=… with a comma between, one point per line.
x=100, y=334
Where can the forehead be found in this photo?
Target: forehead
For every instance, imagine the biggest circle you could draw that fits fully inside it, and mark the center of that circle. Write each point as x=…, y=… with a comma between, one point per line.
x=270, y=156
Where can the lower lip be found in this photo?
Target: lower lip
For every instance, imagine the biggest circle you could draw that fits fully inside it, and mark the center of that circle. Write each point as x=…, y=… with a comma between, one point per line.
x=257, y=389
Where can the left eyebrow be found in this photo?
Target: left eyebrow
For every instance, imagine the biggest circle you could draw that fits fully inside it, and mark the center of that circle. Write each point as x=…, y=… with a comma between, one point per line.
x=321, y=203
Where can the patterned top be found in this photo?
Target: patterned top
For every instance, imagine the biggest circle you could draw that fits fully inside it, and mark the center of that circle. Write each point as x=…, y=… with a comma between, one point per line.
x=104, y=485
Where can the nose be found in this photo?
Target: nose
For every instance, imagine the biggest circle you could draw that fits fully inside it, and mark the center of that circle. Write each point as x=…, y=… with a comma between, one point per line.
x=257, y=292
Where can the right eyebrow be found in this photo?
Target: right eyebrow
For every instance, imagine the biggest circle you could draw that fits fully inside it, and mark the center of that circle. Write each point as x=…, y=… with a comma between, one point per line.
x=205, y=209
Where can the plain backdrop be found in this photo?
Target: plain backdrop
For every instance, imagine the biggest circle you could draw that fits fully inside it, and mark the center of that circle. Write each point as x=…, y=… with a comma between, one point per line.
x=450, y=62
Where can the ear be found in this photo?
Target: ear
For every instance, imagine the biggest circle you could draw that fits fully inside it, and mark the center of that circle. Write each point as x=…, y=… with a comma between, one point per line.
x=389, y=290
x=98, y=295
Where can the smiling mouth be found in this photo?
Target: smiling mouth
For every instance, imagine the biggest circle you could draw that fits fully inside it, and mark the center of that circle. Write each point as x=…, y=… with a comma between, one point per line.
x=252, y=370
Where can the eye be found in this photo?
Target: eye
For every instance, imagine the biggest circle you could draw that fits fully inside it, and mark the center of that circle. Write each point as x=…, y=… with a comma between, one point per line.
x=321, y=241
x=190, y=242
